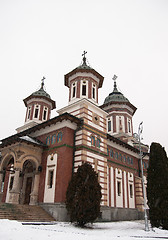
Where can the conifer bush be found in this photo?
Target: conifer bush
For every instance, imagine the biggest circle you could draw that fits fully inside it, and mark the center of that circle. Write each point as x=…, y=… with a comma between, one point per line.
x=157, y=186
x=83, y=196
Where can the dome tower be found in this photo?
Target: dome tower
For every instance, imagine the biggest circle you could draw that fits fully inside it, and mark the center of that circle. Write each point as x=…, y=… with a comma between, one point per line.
x=39, y=105
x=120, y=112
x=83, y=82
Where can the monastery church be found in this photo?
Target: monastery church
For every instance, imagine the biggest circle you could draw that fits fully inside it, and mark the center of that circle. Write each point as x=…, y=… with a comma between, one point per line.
x=37, y=162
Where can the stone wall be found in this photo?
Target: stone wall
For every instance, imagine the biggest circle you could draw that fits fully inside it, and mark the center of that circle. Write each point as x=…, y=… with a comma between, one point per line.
x=59, y=212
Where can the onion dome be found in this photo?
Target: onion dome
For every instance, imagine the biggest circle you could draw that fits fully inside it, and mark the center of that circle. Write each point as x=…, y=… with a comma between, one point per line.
x=115, y=96
x=41, y=93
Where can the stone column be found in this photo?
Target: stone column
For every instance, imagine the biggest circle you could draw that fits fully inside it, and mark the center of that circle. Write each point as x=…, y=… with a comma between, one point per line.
x=34, y=193
x=1, y=180
x=15, y=192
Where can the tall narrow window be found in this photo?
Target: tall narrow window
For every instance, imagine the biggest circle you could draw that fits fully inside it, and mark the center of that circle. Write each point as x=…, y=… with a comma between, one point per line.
x=53, y=139
x=45, y=113
x=59, y=138
x=48, y=140
x=120, y=124
x=92, y=140
x=29, y=112
x=93, y=92
x=36, y=111
x=50, y=178
x=119, y=188
x=111, y=153
x=84, y=88
x=109, y=125
x=131, y=191
x=11, y=183
x=98, y=143
x=74, y=90
x=129, y=126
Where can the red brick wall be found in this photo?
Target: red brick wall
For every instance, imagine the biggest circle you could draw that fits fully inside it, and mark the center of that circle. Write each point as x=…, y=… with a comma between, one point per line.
x=64, y=150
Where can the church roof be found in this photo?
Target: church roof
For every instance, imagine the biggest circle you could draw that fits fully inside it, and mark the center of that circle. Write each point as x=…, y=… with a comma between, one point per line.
x=115, y=96
x=24, y=136
x=84, y=68
x=41, y=93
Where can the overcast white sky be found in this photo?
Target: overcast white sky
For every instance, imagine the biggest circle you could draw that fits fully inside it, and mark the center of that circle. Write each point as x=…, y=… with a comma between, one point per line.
x=128, y=38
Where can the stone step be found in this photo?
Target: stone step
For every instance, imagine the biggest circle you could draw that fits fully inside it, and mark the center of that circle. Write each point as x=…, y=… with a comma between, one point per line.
x=24, y=213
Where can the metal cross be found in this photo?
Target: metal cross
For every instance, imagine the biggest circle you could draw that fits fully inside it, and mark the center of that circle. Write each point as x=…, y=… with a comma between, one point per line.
x=84, y=53
x=114, y=77
x=42, y=81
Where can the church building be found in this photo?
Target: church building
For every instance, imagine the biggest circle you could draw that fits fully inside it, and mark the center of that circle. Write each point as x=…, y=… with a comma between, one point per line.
x=37, y=162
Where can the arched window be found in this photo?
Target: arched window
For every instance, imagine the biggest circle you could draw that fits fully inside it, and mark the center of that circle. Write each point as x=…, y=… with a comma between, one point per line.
x=28, y=113
x=74, y=90
x=59, y=137
x=124, y=159
x=128, y=160
x=45, y=113
x=120, y=157
x=48, y=140
x=92, y=140
x=94, y=91
x=116, y=155
x=111, y=153
x=98, y=143
x=129, y=125
x=53, y=139
x=109, y=125
x=84, y=88
x=36, y=111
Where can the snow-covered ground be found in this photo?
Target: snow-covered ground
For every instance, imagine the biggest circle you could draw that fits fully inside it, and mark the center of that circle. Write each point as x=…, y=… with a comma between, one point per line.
x=13, y=230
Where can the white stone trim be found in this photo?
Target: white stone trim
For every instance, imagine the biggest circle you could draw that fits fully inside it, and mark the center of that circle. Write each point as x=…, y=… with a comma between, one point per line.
x=49, y=193
x=54, y=127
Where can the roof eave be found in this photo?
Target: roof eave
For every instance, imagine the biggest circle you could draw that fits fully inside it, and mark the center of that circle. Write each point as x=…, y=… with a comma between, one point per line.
x=120, y=142
x=44, y=97
x=115, y=102
x=66, y=77
x=64, y=116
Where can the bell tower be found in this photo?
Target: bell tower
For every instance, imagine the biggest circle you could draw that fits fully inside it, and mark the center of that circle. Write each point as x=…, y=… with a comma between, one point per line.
x=39, y=105
x=83, y=82
x=90, y=140
x=120, y=112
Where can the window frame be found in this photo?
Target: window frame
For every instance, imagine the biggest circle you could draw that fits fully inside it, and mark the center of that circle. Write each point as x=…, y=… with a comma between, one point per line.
x=50, y=178
x=36, y=111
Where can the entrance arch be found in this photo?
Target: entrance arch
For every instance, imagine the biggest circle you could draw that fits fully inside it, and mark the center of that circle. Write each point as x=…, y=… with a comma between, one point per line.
x=28, y=174
x=7, y=177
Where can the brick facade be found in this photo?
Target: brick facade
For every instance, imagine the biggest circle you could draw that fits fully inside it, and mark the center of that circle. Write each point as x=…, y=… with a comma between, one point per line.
x=56, y=147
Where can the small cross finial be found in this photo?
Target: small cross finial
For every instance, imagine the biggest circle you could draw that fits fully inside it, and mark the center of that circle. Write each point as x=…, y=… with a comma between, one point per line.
x=84, y=58
x=42, y=82
x=84, y=53
x=114, y=77
x=115, y=85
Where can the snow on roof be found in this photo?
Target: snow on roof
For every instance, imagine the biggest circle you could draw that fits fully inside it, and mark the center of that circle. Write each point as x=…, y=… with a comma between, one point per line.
x=29, y=139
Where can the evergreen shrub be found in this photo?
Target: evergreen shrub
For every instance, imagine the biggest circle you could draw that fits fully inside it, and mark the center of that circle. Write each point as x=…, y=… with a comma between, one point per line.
x=83, y=196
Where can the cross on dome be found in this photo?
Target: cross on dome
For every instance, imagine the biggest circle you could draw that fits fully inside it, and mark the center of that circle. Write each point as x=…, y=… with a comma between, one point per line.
x=84, y=58
x=42, y=82
x=115, y=84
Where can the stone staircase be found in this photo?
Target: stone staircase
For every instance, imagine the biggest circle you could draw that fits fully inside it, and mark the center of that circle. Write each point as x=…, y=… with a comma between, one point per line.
x=24, y=213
